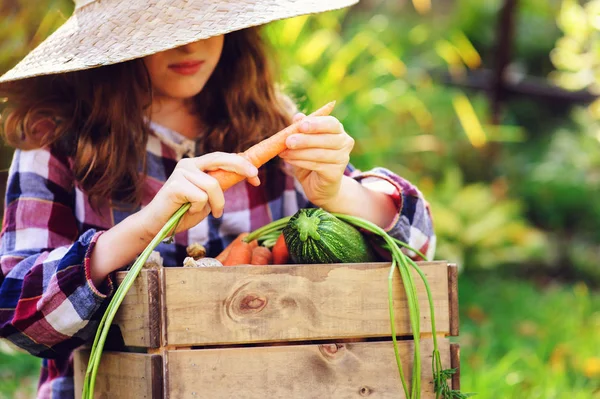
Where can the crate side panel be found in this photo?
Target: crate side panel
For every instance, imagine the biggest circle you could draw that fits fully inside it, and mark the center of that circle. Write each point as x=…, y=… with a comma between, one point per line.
x=138, y=316
x=122, y=375
x=455, y=364
x=453, y=299
x=362, y=369
x=216, y=306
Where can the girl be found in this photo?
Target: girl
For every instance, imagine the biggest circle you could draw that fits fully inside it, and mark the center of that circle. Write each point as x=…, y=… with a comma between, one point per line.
x=117, y=118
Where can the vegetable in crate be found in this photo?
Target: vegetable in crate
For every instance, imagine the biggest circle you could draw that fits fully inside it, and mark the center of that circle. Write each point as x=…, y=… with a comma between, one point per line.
x=314, y=235
x=281, y=256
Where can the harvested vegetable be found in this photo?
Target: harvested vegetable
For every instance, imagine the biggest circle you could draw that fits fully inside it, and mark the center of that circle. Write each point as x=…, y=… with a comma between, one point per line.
x=316, y=236
x=269, y=148
x=240, y=253
x=223, y=255
x=201, y=262
x=281, y=256
x=261, y=256
x=196, y=250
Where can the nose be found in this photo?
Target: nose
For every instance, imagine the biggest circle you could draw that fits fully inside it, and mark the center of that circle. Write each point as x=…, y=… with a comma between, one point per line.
x=191, y=48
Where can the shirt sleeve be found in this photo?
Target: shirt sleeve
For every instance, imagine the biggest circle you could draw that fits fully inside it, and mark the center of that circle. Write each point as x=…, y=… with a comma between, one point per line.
x=413, y=223
x=48, y=302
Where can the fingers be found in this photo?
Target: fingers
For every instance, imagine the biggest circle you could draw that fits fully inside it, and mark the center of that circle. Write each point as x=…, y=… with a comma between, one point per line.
x=213, y=194
x=298, y=117
x=187, y=191
x=325, y=171
x=230, y=162
x=255, y=181
x=330, y=135
x=208, y=195
x=320, y=155
x=321, y=124
x=324, y=140
x=236, y=163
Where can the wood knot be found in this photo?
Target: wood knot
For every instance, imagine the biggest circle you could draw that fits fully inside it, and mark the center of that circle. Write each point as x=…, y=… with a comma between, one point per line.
x=331, y=350
x=252, y=303
x=365, y=391
x=288, y=302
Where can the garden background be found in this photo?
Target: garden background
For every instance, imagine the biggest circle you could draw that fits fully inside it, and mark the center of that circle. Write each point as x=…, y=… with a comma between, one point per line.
x=489, y=106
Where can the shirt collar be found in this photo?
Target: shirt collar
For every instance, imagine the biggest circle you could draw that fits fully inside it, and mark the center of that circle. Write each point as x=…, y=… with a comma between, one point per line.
x=178, y=142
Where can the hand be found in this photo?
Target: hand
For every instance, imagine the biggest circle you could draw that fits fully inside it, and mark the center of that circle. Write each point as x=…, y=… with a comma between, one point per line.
x=189, y=182
x=319, y=155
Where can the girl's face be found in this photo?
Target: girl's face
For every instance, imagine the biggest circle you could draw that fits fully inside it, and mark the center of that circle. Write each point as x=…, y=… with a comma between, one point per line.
x=182, y=72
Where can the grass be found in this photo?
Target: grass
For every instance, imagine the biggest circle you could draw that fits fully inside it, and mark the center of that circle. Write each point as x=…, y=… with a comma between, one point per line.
x=518, y=340
x=19, y=373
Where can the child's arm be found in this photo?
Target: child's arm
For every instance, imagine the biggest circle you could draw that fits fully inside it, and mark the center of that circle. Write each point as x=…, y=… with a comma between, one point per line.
x=356, y=199
x=411, y=220
x=48, y=303
x=56, y=278
x=189, y=182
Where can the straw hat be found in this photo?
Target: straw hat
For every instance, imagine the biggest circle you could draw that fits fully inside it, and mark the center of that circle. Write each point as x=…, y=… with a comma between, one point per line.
x=103, y=32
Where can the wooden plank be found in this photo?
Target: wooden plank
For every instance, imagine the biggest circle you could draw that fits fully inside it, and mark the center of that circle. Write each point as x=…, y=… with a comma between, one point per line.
x=217, y=306
x=455, y=364
x=138, y=317
x=362, y=369
x=453, y=299
x=122, y=375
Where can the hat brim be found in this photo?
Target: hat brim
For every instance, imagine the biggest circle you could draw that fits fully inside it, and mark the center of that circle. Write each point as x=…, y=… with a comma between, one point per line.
x=112, y=31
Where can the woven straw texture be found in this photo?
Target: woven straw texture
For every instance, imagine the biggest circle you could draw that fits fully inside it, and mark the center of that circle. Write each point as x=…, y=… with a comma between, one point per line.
x=104, y=32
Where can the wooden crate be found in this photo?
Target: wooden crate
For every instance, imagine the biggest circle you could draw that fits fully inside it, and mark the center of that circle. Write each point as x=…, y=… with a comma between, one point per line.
x=293, y=331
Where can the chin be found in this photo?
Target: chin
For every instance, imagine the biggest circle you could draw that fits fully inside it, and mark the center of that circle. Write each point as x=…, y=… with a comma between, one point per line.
x=190, y=94
x=184, y=92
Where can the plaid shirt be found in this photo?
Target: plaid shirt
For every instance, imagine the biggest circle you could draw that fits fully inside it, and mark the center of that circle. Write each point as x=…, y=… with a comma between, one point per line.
x=48, y=303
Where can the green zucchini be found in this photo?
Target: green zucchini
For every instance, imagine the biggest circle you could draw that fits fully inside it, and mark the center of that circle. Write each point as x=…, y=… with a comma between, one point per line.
x=313, y=235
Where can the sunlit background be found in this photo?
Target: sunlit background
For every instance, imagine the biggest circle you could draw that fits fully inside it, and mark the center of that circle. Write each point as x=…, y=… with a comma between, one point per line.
x=490, y=107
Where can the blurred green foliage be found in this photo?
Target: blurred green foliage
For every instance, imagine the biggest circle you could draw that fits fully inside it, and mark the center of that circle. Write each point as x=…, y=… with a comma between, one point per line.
x=381, y=73
x=558, y=180
x=535, y=31
x=556, y=172
x=577, y=52
x=479, y=225
x=523, y=341
x=563, y=176
x=19, y=373
x=23, y=27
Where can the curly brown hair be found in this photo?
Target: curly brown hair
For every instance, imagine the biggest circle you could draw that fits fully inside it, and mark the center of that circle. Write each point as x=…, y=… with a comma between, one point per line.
x=99, y=117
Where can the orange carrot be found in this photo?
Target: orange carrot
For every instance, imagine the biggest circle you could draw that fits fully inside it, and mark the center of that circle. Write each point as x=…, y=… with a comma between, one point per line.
x=223, y=255
x=240, y=253
x=281, y=255
x=261, y=256
x=269, y=148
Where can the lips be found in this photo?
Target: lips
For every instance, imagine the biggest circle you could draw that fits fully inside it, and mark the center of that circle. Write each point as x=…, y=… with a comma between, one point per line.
x=186, y=67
